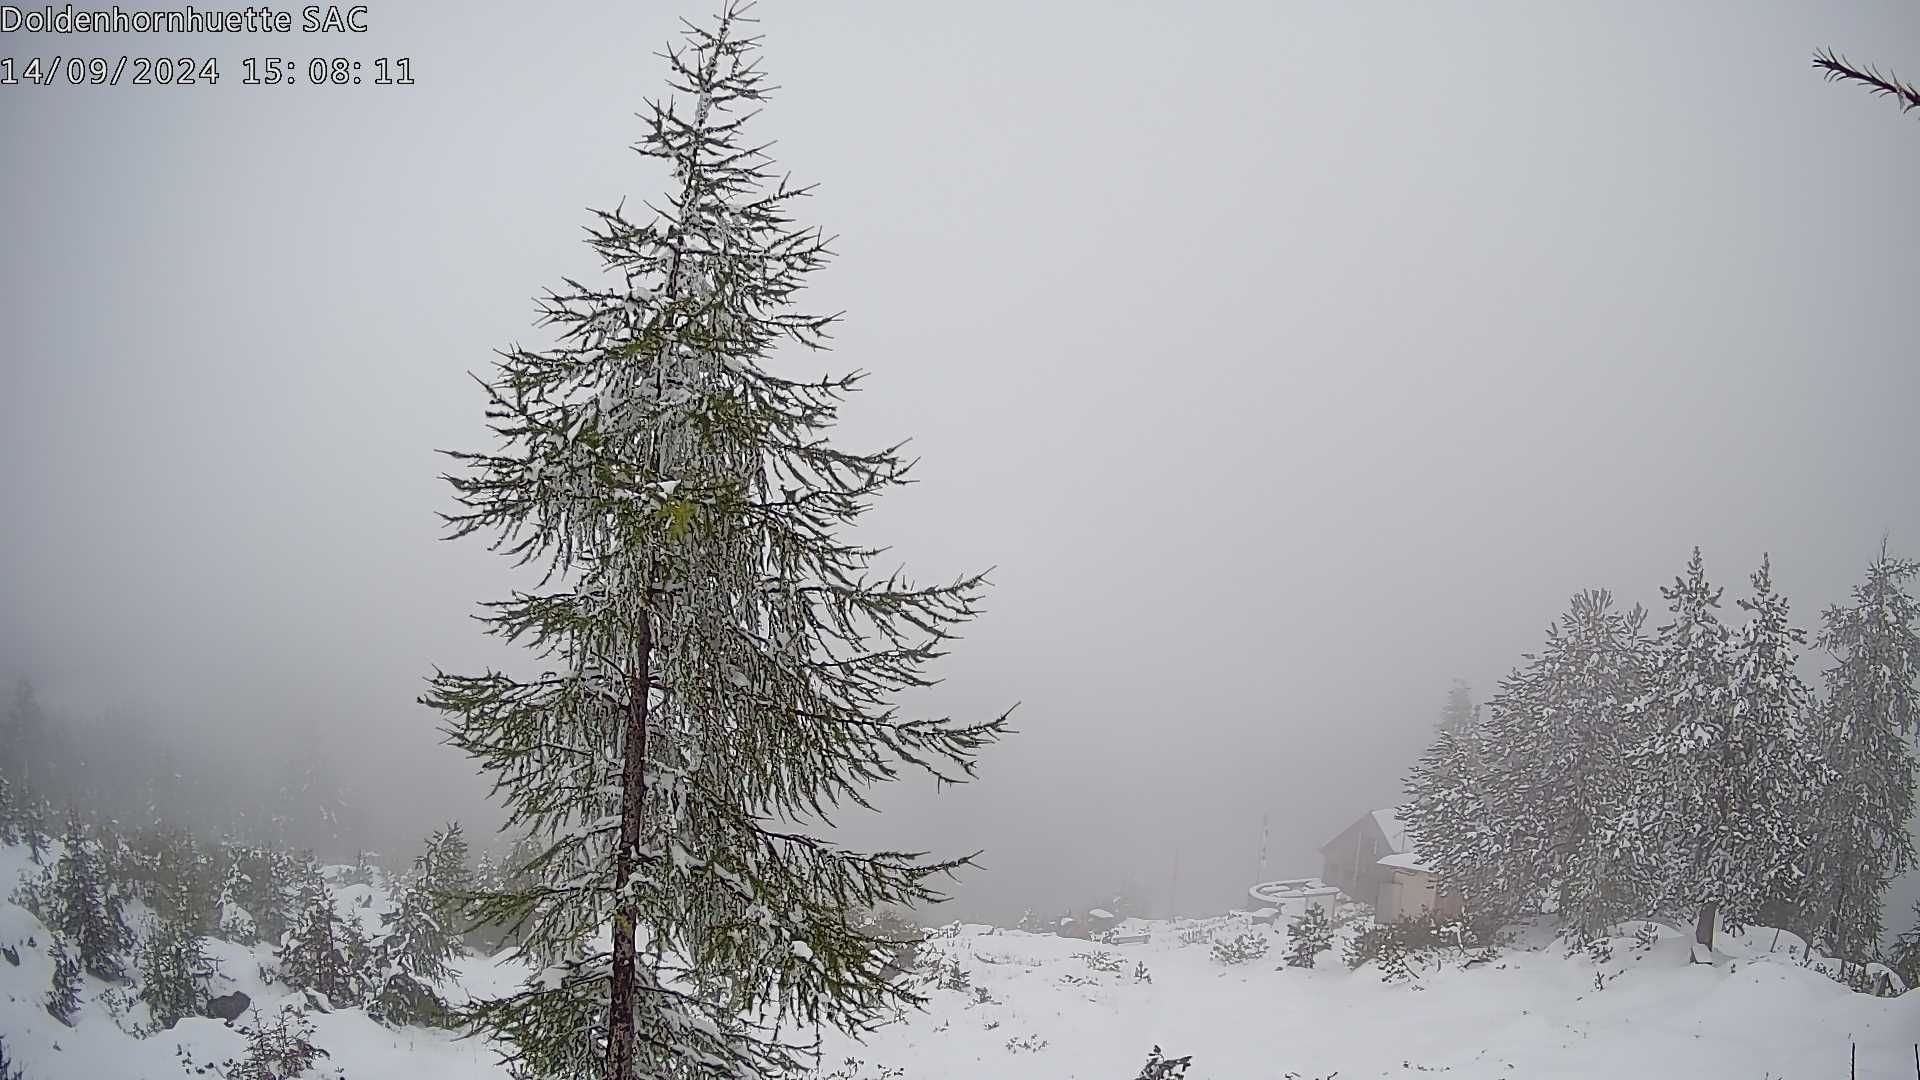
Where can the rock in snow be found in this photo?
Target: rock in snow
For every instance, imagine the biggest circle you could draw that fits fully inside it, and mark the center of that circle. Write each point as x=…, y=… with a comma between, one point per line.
x=229, y=1007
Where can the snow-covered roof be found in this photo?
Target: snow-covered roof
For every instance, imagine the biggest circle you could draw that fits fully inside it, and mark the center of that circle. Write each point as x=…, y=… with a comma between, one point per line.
x=1407, y=860
x=1393, y=828
x=1101, y=913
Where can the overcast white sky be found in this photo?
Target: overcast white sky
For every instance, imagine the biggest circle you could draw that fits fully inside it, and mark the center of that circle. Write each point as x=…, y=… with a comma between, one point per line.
x=1287, y=361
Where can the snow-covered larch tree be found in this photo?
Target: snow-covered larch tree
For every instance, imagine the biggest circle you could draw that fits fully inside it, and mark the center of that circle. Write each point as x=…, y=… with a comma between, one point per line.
x=718, y=662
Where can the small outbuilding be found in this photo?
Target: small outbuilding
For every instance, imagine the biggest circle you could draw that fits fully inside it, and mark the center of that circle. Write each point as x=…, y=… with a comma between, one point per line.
x=1412, y=890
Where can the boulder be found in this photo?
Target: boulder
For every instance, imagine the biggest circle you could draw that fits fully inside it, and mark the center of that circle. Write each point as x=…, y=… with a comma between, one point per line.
x=229, y=1007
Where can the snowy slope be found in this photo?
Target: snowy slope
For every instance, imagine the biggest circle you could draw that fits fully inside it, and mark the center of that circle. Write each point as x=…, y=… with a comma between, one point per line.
x=98, y=1047
x=1050, y=1013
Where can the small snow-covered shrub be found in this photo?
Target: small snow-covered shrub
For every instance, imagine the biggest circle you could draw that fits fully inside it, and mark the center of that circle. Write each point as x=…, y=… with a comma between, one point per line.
x=1309, y=934
x=1161, y=1067
x=7, y=1070
x=1875, y=978
x=1241, y=949
x=949, y=975
x=1402, y=950
x=278, y=1050
x=856, y=1069
x=1141, y=974
x=119, y=1005
x=901, y=938
x=1101, y=960
x=1028, y=1043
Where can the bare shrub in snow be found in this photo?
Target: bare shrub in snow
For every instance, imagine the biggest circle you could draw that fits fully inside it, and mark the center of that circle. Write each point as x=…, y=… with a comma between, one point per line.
x=278, y=1050
x=857, y=1069
x=1241, y=949
x=1161, y=1067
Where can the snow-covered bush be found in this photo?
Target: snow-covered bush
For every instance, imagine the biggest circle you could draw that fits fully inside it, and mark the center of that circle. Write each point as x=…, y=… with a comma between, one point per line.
x=1402, y=950
x=856, y=1069
x=1241, y=949
x=1161, y=1067
x=7, y=1070
x=1099, y=960
x=278, y=1050
x=904, y=938
x=949, y=975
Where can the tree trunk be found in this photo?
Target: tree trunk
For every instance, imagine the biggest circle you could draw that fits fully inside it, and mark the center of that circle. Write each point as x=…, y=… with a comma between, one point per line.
x=1703, y=926
x=620, y=1034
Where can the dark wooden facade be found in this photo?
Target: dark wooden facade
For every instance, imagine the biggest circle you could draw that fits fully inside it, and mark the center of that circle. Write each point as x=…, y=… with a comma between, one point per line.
x=1351, y=860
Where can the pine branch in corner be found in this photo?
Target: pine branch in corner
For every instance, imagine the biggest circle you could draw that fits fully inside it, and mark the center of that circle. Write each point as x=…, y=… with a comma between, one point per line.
x=1837, y=69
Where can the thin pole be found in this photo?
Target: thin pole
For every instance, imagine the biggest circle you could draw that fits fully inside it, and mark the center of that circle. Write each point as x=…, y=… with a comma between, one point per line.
x=1263, y=850
x=1173, y=887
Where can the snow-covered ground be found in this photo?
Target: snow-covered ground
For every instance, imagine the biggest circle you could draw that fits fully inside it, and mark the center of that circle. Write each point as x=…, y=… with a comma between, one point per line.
x=1036, y=1006
x=1534, y=1012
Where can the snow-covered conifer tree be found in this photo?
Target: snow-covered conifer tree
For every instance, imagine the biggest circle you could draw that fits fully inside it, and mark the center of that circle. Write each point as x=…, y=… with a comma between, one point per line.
x=1456, y=798
x=1460, y=714
x=1557, y=814
x=720, y=661
x=1863, y=731
x=1308, y=935
x=174, y=968
x=414, y=952
x=89, y=907
x=34, y=826
x=443, y=869
x=1904, y=957
x=63, y=993
x=12, y=814
x=1680, y=771
x=1723, y=768
x=323, y=952
x=24, y=742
